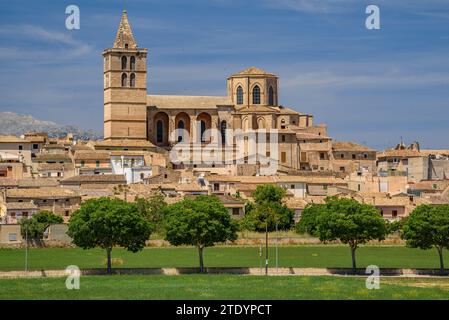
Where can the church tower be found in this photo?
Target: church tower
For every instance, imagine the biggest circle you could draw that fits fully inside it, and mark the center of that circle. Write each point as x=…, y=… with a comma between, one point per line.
x=125, y=87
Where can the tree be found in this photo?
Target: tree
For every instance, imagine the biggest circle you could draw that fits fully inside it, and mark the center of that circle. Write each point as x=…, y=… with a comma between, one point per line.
x=34, y=227
x=347, y=220
x=268, y=213
x=201, y=222
x=106, y=223
x=427, y=227
x=153, y=209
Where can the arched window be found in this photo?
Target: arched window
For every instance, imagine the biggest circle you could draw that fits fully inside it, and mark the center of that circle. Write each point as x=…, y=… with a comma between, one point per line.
x=223, y=126
x=203, y=130
x=132, y=63
x=256, y=95
x=124, y=80
x=271, y=96
x=239, y=95
x=132, y=80
x=124, y=62
x=160, y=131
x=181, y=130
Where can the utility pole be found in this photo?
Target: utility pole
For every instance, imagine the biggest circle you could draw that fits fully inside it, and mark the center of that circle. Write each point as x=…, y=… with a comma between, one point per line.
x=26, y=247
x=266, y=247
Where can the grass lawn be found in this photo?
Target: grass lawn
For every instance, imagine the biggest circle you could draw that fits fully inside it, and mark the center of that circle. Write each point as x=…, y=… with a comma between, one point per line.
x=289, y=256
x=223, y=287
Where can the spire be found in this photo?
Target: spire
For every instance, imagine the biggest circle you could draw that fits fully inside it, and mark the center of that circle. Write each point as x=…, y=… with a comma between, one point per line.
x=124, y=34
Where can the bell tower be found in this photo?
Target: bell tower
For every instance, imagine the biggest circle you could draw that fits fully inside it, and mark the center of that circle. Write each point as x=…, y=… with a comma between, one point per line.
x=125, y=87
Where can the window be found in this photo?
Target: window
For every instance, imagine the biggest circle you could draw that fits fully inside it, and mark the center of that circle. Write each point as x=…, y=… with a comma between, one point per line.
x=223, y=126
x=126, y=46
x=97, y=163
x=321, y=155
x=132, y=80
x=181, y=130
x=235, y=211
x=142, y=176
x=342, y=169
x=394, y=213
x=342, y=155
x=67, y=213
x=292, y=186
x=12, y=236
x=256, y=95
x=283, y=124
x=20, y=147
x=353, y=156
x=239, y=95
x=271, y=96
x=132, y=63
x=35, y=146
x=124, y=80
x=381, y=212
x=365, y=155
x=202, y=131
x=216, y=186
x=283, y=138
x=268, y=153
x=124, y=62
x=159, y=131
x=83, y=163
x=358, y=187
x=283, y=157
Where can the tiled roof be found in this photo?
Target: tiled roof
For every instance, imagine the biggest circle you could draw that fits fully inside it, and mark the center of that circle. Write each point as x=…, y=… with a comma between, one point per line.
x=251, y=71
x=91, y=155
x=124, y=144
x=187, y=102
x=38, y=183
x=95, y=178
x=398, y=153
x=41, y=193
x=349, y=146
x=12, y=139
x=20, y=205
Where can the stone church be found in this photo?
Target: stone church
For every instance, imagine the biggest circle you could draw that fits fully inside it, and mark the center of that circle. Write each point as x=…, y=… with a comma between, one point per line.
x=251, y=103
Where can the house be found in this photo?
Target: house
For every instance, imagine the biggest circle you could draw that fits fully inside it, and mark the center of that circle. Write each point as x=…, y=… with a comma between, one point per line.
x=60, y=201
x=90, y=162
x=352, y=157
x=12, y=212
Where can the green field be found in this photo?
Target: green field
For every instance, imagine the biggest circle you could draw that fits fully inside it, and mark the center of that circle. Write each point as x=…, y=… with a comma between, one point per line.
x=320, y=256
x=223, y=287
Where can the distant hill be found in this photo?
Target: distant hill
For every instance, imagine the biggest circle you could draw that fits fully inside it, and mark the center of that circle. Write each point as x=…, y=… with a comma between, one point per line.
x=17, y=124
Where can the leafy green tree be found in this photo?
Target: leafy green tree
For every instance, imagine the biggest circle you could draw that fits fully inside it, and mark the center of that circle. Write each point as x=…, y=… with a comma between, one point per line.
x=106, y=223
x=34, y=227
x=268, y=211
x=347, y=220
x=201, y=221
x=427, y=227
x=153, y=209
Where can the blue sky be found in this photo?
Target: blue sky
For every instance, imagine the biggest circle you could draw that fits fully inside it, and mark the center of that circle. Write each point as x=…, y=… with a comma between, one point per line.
x=368, y=86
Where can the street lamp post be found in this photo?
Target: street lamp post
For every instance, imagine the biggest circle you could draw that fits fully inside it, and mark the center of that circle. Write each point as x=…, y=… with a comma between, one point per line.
x=26, y=247
x=266, y=248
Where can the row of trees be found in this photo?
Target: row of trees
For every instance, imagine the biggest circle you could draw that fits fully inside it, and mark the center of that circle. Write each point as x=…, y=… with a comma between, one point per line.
x=203, y=221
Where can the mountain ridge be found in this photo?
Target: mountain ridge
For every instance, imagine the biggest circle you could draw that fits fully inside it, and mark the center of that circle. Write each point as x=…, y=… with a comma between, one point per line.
x=12, y=123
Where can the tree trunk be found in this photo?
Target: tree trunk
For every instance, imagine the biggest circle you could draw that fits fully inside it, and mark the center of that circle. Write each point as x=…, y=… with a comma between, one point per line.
x=440, y=253
x=354, y=266
x=108, y=251
x=200, y=253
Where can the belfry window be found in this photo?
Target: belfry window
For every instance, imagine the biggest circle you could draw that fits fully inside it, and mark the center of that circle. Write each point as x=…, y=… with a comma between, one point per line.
x=271, y=96
x=256, y=95
x=124, y=62
x=132, y=63
x=203, y=130
x=239, y=95
x=124, y=80
x=132, y=80
x=159, y=131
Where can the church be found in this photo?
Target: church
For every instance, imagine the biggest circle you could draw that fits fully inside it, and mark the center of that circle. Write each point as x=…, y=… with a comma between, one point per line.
x=251, y=104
